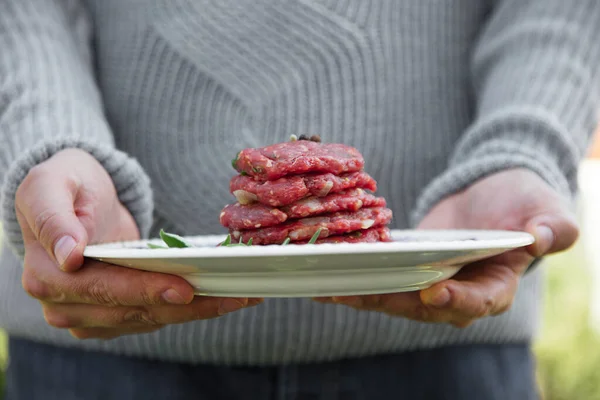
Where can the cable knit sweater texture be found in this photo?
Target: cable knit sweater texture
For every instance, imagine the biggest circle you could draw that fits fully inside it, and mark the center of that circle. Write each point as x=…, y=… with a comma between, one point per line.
x=435, y=93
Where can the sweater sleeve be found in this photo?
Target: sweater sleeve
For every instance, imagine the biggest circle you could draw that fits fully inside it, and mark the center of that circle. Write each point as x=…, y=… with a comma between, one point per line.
x=536, y=80
x=49, y=101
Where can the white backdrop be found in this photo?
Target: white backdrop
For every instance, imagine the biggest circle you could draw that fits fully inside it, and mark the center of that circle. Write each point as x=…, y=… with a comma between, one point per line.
x=589, y=214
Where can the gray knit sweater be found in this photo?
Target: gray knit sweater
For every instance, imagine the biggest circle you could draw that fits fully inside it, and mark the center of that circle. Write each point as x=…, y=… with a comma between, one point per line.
x=434, y=93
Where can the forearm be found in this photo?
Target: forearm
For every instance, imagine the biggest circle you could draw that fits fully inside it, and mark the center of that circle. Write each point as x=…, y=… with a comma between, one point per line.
x=536, y=76
x=49, y=101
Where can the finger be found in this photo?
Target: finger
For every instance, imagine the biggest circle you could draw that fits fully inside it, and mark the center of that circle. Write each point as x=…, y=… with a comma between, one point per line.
x=404, y=304
x=413, y=306
x=478, y=290
x=110, y=333
x=46, y=213
x=553, y=233
x=100, y=283
x=94, y=316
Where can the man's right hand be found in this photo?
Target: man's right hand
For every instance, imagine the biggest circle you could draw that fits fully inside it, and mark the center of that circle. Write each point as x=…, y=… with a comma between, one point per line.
x=60, y=210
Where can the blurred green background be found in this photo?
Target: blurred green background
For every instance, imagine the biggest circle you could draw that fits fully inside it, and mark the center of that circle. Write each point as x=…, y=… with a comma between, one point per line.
x=568, y=350
x=3, y=360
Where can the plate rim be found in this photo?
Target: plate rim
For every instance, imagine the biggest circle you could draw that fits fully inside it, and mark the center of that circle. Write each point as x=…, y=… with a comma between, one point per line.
x=513, y=240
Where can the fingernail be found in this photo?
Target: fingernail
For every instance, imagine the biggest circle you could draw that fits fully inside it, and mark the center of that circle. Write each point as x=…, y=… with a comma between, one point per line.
x=230, y=305
x=544, y=238
x=172, y=296
x=440, y=299
x=63, y=248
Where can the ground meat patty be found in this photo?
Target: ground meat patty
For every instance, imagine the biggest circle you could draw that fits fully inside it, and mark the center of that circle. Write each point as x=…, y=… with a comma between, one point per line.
x=347, y=200
x=237, y=216
x=373, y=235
x=251, y=216
x=299, y=157
x=288, y=190
x=303, y=229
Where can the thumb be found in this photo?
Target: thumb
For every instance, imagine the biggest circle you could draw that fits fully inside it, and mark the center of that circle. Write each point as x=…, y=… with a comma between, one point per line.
x=553, y=232
x=46, y=213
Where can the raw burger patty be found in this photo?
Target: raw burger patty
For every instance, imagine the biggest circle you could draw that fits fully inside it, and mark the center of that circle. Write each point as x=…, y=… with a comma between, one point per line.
x=303, y=229
x=373, y=235
x=299, y=157
x=237, y=216
x=288, y=190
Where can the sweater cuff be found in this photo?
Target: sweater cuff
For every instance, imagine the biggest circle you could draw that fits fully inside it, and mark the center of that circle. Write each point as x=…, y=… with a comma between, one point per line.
x=498, y=147
x=131, y=183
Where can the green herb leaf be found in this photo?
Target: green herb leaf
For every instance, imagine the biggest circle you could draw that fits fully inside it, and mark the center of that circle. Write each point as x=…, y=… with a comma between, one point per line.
x=285, y=242
x=173, y=240
x=227, y=241
x=314, y=237
x=235, y=160
x=156, y=246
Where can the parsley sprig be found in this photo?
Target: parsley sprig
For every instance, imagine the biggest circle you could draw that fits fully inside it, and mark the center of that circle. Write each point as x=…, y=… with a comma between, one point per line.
x=175, y=241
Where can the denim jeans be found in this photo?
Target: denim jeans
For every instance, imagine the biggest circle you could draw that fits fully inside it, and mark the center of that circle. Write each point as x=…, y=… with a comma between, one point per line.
x=482, y=372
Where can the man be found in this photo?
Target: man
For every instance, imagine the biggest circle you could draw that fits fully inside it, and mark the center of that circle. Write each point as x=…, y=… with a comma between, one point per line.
x=118, y=117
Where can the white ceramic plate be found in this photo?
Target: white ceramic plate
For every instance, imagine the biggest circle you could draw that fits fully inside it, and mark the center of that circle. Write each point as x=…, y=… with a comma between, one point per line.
x=414, y=260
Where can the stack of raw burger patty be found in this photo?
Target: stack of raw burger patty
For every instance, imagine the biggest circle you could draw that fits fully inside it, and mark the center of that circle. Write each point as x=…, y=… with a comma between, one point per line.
x=288, y=191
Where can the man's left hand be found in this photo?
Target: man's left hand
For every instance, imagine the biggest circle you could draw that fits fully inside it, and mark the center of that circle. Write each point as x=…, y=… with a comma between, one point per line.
x=515, y=199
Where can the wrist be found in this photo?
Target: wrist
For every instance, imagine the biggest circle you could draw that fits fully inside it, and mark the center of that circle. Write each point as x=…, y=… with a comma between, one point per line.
x=130, y=181
x=464, y=174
